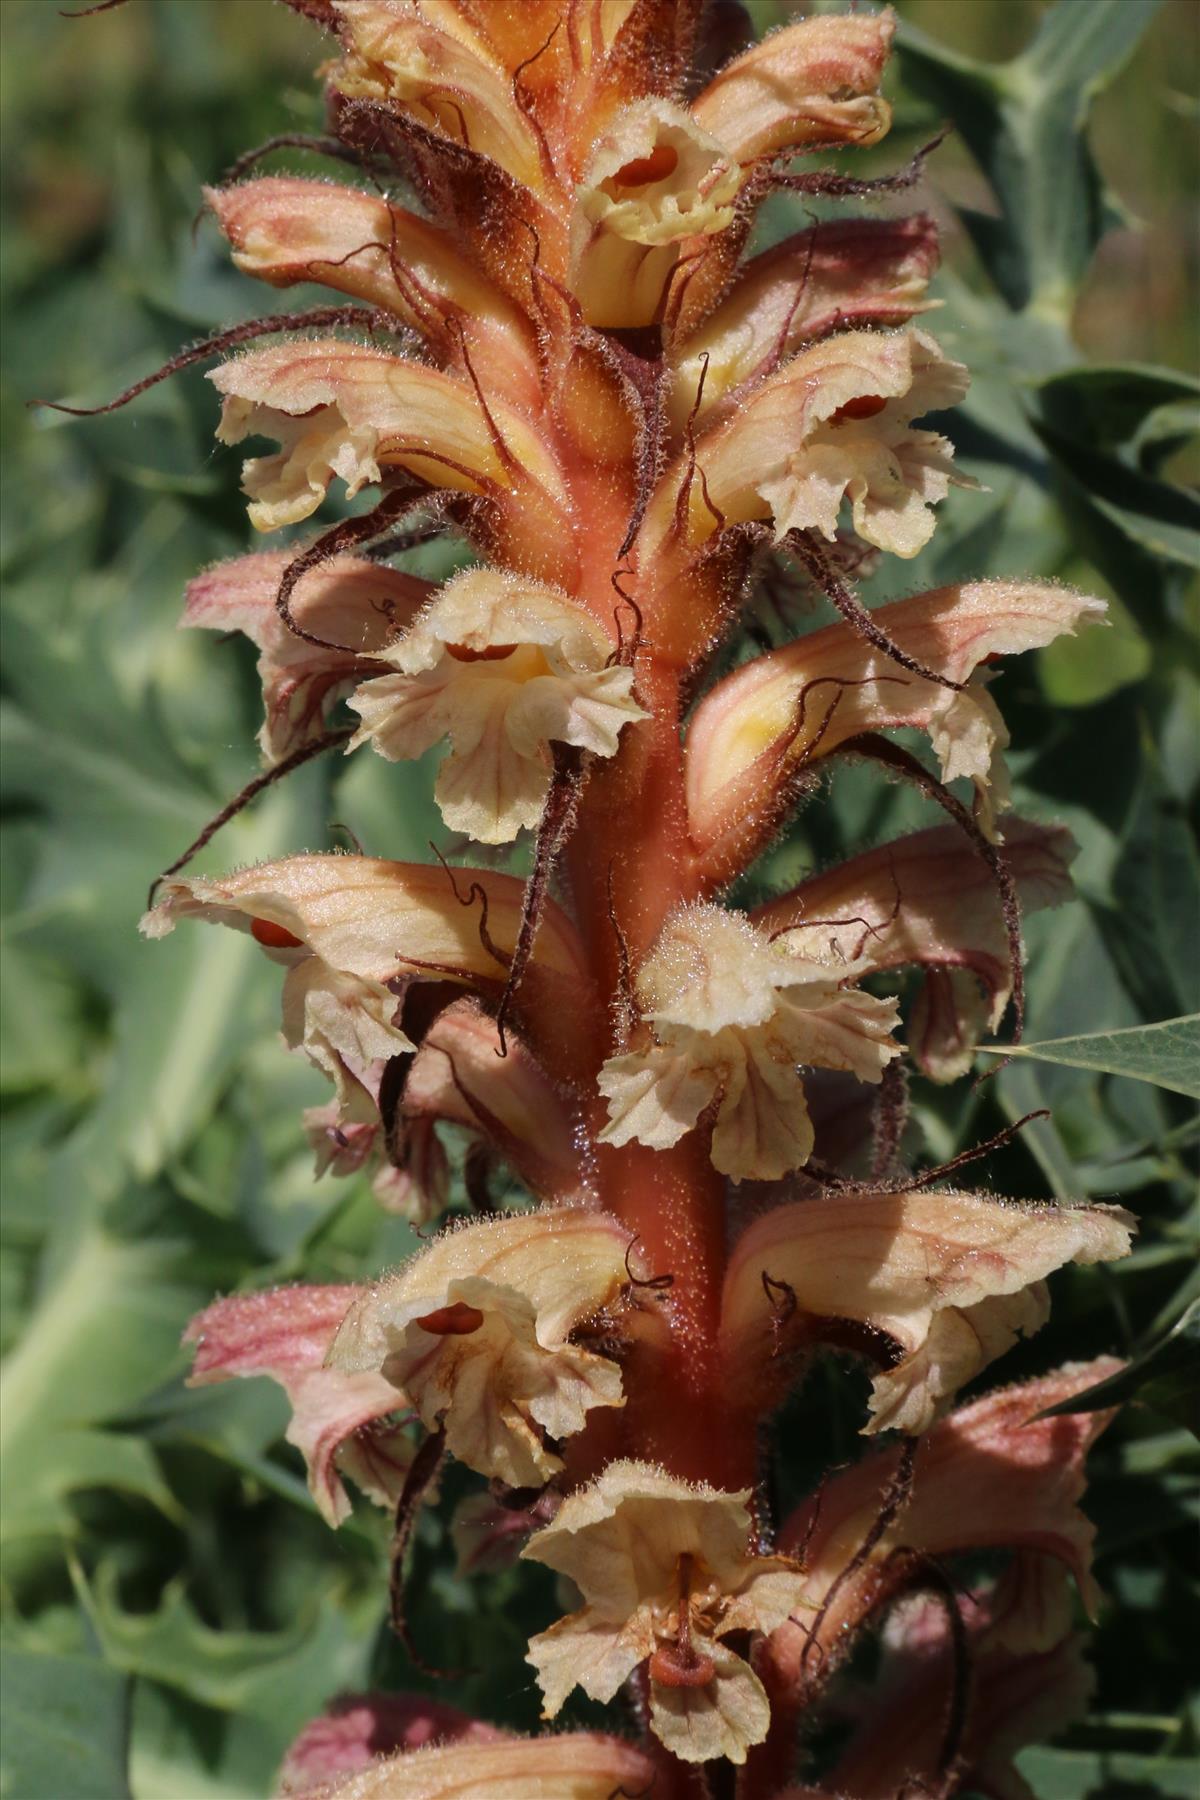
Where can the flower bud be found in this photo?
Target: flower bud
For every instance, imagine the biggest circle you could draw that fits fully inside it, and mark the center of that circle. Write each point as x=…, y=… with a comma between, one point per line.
x=814, y=83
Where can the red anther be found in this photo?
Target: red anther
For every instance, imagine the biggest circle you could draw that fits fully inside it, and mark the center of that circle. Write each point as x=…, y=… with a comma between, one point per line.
x=490, y=652
x=673, y=1667
x=864, y=407
x=456, y=1320
x=273, y=936
x=661, y=162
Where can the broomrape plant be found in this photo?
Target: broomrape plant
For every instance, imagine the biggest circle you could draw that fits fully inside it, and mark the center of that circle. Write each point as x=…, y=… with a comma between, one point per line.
x=555, y=348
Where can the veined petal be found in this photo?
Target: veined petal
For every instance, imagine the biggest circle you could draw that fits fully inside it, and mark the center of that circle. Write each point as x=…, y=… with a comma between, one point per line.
x=726, y=1717
x=836, y=276
x=285, y=229
x=347, y=601
x=285, y=1333
x=813, y=83
x=897, y=1262
x=574, y=1765
x=504, y=667
x=759, y=722
x=349, y=410
x=655, y=1096
x=371, y=918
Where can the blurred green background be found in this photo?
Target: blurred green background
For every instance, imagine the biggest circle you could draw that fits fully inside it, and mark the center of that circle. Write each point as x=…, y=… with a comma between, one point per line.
x=173, y=1608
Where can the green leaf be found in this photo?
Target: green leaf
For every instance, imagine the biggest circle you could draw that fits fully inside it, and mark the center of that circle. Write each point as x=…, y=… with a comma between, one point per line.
x=282, y=1679
x=1024, y=122
x=1165, y=1377
x=1095, y=1775
x=1109, y=403
x=63, y=1728
x=1167, y=1054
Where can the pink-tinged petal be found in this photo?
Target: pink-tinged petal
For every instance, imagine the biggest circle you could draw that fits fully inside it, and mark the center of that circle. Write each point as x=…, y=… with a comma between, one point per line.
x=285, y=1333
x=279, y=1332
x=949, y=1278
x=840, y=275
x=359, y=1729
x=990, y=1476
x=351, y=411
x=930, y=901
x=347, y=601
x=814, y=83
x=285, y=229
x=750, y=734
x=575, y=1765
x=1015, y=1700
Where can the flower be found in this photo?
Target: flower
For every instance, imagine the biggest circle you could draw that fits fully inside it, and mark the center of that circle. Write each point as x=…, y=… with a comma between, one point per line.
x=351, y=411
x=344, y=927
x=929, y=900
x=837, y=275
x=733, y=1015
x=665, y=1574
x=782, y=709
x=476, y=1332
x=948, y=1280
x=503, y=667
x=654, y=182
x=833, y=423
x=992, y=1475
x=284, y=229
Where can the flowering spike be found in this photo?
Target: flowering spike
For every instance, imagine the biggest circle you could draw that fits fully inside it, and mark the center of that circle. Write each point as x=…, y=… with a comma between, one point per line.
x=618, y=426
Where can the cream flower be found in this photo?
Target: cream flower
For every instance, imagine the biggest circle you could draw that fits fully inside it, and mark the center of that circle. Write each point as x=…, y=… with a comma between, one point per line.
x=665, y=1575
x=945, y=1282
x=734, y=1014
x=654, y=180
x=503, y=667
x=832, y=424
x=476, y=1333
